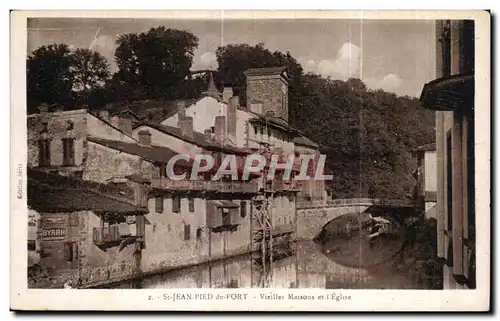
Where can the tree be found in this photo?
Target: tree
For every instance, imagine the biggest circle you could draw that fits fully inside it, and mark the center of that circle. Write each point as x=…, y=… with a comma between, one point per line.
x=90, y=70
x=234, y=60
x=57, y=75
x=157, y=61
x=49, y=78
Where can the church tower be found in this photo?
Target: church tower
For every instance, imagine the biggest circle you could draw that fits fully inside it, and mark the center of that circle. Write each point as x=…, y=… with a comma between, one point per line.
x=267, y=91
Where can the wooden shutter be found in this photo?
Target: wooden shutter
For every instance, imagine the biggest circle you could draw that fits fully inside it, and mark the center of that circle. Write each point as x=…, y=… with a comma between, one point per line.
x=68, y=252
x=243, y=209
x=191, y=203
x=44, y=152
x=176, y=204
x=187, y=232
x=68, y=151
x=140, y=225
x=159, y=204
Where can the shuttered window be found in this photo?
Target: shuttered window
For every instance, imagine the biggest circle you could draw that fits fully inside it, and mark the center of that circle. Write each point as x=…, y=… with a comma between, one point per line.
x=71, y=251
x=176, y=204
x=243, y=209
x=44, y=152
x=140, y=225
x=159, y=204
x=191, y=203
x=187, y=232
x=68, y=151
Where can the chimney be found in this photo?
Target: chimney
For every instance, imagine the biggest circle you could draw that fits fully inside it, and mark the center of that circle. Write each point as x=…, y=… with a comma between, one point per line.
x=145, y=138
x=181, y=109
x=227, y=93
x=125, y=125
x=220, y=129
x=208, y=135
x=231, y=115
x=104, y=114
x=186, y=126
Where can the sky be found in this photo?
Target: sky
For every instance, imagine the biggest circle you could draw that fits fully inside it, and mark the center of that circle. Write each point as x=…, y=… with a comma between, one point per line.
x=394, y=55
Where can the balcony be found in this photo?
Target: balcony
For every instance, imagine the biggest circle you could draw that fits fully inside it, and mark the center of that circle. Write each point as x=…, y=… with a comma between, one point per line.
x=106, y=235
x=199, y=185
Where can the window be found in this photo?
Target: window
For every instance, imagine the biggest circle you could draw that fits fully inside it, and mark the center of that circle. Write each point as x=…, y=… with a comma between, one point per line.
x=262, y=130
x=212, y=129
x=31, y=245
x=68, y=151
x=187, y=232
x=226, y=216
x=191, y=203
x=143, y=198
x=44, y=152
x=159, y=204
x=70, y=251
x=176, y=204
x=255, y=129
x=70, y=125
x=198, y=233
x=243, y=209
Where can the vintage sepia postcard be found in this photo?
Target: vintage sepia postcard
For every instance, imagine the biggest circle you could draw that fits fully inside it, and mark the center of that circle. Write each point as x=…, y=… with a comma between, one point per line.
x=250, y=160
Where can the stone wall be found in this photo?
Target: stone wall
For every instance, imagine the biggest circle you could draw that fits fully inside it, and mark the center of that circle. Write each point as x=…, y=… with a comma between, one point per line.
x=55, y=127
x=310, y=221
x=104, y=163
x=272, y=91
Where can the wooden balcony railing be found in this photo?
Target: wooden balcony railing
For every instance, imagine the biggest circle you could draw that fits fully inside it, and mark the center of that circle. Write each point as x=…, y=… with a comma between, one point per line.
x=200, y=185
x=105, y=235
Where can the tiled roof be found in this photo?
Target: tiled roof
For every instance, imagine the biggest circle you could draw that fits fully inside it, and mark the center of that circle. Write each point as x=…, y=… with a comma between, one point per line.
x=197, y=139
x=264, y=71
x=155, y=110
x=48, y=192
x=152, y=153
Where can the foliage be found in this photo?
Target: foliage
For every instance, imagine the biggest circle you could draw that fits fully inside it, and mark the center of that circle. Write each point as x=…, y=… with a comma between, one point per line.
x=235, y=59
x=49, y=78
x=155, y=63
x=57, y=75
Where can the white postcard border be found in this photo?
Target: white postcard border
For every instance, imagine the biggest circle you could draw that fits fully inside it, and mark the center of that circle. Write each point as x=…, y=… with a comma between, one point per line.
x=153, y=299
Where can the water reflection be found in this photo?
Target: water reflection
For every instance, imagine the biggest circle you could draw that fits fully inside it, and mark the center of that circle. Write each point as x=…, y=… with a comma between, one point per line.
x=303, y=266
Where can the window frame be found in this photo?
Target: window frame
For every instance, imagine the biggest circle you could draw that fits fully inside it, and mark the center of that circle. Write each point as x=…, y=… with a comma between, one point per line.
x=68, y=151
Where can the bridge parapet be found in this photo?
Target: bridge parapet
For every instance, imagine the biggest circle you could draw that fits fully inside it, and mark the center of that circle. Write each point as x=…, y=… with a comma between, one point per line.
x=353, y=202
x=312, y=216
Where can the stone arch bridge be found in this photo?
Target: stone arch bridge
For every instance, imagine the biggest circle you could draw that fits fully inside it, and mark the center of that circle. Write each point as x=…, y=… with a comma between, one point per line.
x=311, y=218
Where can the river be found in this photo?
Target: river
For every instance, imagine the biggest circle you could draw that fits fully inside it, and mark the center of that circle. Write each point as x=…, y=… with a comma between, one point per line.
x=305, y=266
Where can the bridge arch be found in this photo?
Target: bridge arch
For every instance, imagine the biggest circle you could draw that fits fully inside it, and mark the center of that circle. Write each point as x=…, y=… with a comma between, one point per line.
x=311, y=218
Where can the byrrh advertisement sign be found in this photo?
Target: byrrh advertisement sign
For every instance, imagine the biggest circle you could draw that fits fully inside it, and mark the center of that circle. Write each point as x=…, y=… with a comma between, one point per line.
x=52, y=233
